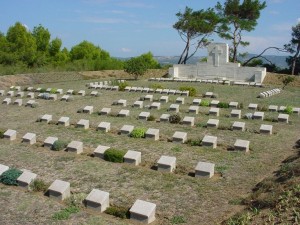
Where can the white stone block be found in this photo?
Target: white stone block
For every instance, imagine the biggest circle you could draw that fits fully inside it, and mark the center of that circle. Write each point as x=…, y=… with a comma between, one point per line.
x=233, y=104
x=214, y=103
x=164, y=118
x=266, y=129
x=144, y=115
x=180, y=100
x=214, y=123
x=283, y=118
x=85, y=124
x=18, y=102
x=81, y=92
x=122, y=102
x=238, y=126
x=164, y=99
x=148, y=98
x=6, y=101
x=209, y=141
x=194, y=109
x=10, y=134
x=241, y=145
x=75, y=146
x=204, y=169
x=100, y=150
x=53, y=97
x=2, y=92
x=236, y=113
x=258, y=115
x=208, y=94
x=59, y=91
x=252, y=106
x=50, y=141
x=179, y=137
x=65, y=98
x=88, y=109
x=10, y=93
x=105, y=111
x=46, y=118
x=126, y=129
x=65, y=121
x=133, y=157
x=29, y=138
x=196, y=101
x=59, y=190
x=20, y=94
x=166, y=164
x=30, y=95
x=188, y=120
x=143, y=212
x=155, y=105
x=273, y=108
x=214, y=111
x=174, y=108
x=124, y=113
x=152, y=133
x=104, y=126
x=138, y=104
x=26, y=178
x=97, y=200
x=94, y=93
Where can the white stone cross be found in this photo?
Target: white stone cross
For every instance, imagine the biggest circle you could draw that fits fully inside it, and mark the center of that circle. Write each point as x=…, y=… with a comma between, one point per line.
x=216, y=51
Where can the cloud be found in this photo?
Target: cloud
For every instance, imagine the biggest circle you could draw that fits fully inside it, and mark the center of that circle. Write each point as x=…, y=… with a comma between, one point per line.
x=134, y=4
x=282, y=27
x=24, y=25
x=273, y=12
x=104, y=20
x=126, y=50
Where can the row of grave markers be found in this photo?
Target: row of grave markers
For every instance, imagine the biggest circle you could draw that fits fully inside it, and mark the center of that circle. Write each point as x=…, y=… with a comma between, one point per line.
x=97, y=200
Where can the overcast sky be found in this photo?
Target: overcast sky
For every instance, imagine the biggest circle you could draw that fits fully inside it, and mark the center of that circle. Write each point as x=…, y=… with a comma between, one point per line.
x=132, y=27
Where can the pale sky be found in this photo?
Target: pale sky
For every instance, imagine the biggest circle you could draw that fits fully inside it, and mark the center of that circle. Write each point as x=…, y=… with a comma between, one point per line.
x=127, y=28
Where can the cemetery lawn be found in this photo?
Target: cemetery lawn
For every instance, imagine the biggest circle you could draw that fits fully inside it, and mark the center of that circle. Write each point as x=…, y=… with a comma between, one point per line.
x=179, y=196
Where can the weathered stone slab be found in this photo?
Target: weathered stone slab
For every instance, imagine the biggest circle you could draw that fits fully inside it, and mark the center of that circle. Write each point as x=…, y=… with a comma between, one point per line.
x=152, y=133
x=10, y=93
x=144, y=115
x=266, y=129
x=208, y=94
x=194, y=109
x=97, y=200
x=126, y=129
x=104, y=126
x=296, y=110
x=238, y=126
x=214, y=123
x=10, y=134
x=75, y=146
x=164, y=99
x=26, y=178
x=18, y=102
x=214, y=111
x=46, y=118
x=65, y=121
x=133, y=157
x=196, y=101
x=70, y=92
x=205, y=170
x=273, y=108
x=94, y=93
x=188, y=120
x=100, y=150
x=85, y=124
x=241, y=145
x=174, y=108
x=50, y=141
x=148, y=98
x=20, y=94
x=122, y=102
x=59, y=190
x=143, y=212
x=233, y=105
x=179, y=137
x=30, y=95
x=29, y=138
x=123, y=113
x=53, y=97
x=88, y=109
x=258, y=115
x=252, y=106
x=283, y=118
x=138, y=104
x=81, y=92
x=164, y=118
x=65, y=98
x=180, y=100
x=166, y=164
x=155, y=105
x=6, y=101
x=31, y=103
x=59, y=91
x=236, y=113
x=209, y=141
x=2, y=92
x=214, y=103
x=105, y=111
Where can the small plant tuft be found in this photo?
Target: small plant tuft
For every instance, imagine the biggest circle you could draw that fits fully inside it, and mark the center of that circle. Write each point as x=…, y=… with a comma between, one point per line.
x=53, y=90
x=65, y=213
x=10, y=176
x=114, y=155
x=223, y=105
x=178, y=220
x=176, y=118
x=138, y=132
x=43, y=90
x=122, y=86
x=288, y=110
x=204, y=103
x=117, y=211
x=2, y=133
x=38, y=185
x=59, y=145
x=192, y=90
x=151, y=118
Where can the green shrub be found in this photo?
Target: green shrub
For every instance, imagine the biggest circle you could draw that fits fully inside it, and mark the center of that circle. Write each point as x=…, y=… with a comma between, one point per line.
x=2, y=133
x=76, y=200
x=120, y=212
x=114, y=155
x=157, y=86
x=176, y=118
x=178, y=220
x=38, y=185
x=59, y=145
x=53, y=90
x=43, y=90
x=10, y=176
x=65, y=213
x=192, y=90
x=151, y=118
x=196, y=142
x=122, y=86
x=241, y=106
x=204, y=103
x=288, y=110
x=138, y=132
x=223, y=105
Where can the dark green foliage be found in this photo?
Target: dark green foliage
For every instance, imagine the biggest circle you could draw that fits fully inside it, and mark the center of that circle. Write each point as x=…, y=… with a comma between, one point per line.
x=157, y=86
x=178, y=220
x=223, y=105
x=136, y=67
x=2, y=133
x=122, y=86
x=138, y=132
x=192, y=90
x=175, y=118
x=38, y=185
x=287, y=80
x=288, y=110
x=10, y=176
x=59, y=145
x=114, y=155
x=65, y=213
x=204, y=103
x=196, y=142
x=151, y=118
x=53, y=90
x=120, y=212
x=43, y=90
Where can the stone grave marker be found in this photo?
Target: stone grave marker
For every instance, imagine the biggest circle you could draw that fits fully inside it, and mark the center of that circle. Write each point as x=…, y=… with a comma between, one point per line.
x=148, y=98
x=2, y=92
x=53, y=97
x=152, y=133
x=214, y=103
x=204, y=169
x=100, y=150
x=31, y=103
x=196, y=101
x=144, y=115
x=97, y=200
x=133, y=157
x=188, y=120
x=94, y=93
x=236, y=113
x=174, y=108
x=214, y=111
x=164, y=99
x=59, y=190
x=65, y=121
x=6, y=101
x=138, y=104
x=85, y=124
x=10, y=93
x=75, y=146
x=166, y=164
x=180, y=100
x=209, y=141
x=18, y=102
x=258, y=115
x=105, y=111
x=123, y=113
x=155, y=105
x=238, y=126
x=208, y=94
x=233, y=105
x=25, y=179
x=70, y=92
x=46, y=118
x=126, y=129
x=88, y=109
x=48, y=143
x=273, y=108
x=10, y=134
x=283, y=118
x=143, y=212
x=266, y=129
x=29, y=138
x=179, y=137
x=30, y=95
x=20, y=94
x=81, y=92
x=3, y=168
x=59, y=91
x=241, y=145
x=252, y=106
x=194, y=109
x=122, y=102
x=164, y=118
x=213, y=123
x=104, y=126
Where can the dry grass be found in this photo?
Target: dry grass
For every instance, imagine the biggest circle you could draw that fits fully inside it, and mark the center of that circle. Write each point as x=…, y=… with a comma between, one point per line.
x=197, y=201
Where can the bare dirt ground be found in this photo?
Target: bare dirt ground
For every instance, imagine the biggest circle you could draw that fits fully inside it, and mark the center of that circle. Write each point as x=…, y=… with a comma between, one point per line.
x=176, y=195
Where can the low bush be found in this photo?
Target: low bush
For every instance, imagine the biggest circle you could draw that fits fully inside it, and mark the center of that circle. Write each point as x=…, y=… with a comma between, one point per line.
x=122, y=86
x=223, y=105
x=204, y=103
x=192, y=90
x=176, y=118
x=120, y=212
x=151, y=118
x=196, y=142
x=288, y=110
x=241, y=106
x=59, y=145
x=38, y=185
x=114, y=155
x=53, y=90
x=43, y=90
x=138, y=132
x=178, y=220
x=76, y=200
x=65, y=213
x=10, y=176
x=2, y=133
